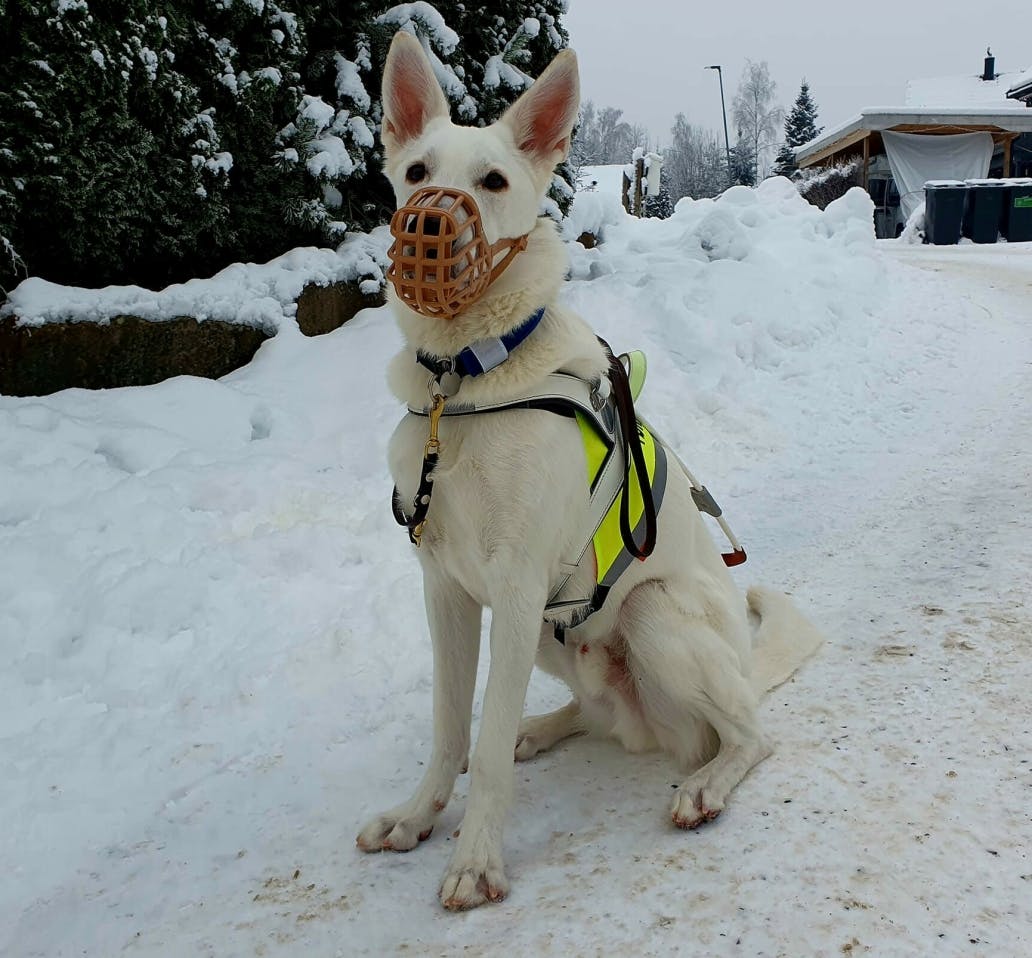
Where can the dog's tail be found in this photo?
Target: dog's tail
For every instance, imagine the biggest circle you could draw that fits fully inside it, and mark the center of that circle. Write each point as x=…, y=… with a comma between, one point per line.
x=783, y=640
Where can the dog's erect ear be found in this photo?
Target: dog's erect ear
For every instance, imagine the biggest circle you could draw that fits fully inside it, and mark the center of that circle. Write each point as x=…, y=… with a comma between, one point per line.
x=412, y=97
x=542, y=118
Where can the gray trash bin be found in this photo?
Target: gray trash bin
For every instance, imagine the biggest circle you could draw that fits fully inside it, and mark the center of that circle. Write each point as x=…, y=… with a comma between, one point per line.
x=944, y=211
x=984, y=213
x=1017, y=211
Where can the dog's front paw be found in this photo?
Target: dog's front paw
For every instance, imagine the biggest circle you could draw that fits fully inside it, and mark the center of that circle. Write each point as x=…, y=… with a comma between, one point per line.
x=394, y=832
x=694, y=805
x=473, y=880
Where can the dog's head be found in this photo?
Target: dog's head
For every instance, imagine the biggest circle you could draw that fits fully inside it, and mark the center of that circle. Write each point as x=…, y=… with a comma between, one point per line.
x=504, y=168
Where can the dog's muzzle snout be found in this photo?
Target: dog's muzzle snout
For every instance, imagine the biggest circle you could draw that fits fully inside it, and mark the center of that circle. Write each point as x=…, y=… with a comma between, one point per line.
x=441, y=262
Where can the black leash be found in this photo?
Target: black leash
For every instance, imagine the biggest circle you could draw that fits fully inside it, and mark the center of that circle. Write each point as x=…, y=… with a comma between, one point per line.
x=421, y=502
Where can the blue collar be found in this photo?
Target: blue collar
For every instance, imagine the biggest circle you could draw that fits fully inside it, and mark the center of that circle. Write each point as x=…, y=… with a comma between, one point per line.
x=483, y=355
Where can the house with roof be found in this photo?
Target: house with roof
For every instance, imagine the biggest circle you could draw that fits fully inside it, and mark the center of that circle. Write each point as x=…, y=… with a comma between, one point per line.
x=958, y=127
x=1022, y=88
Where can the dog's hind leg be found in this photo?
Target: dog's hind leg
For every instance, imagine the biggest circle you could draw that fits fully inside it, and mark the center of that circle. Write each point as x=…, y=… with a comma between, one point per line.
x=454, y=620
x=538, y=733
x=690, y=684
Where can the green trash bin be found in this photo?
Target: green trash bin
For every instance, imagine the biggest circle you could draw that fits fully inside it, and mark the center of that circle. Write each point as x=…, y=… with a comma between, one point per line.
x=1017, y=211
x=944, y=211
x=984, y=213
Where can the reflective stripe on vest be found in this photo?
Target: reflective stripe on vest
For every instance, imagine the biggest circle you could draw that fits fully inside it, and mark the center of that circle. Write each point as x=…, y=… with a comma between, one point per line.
x=611, y=557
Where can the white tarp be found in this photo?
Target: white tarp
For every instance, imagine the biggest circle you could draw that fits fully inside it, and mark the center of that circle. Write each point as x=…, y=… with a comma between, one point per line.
x=914, y=159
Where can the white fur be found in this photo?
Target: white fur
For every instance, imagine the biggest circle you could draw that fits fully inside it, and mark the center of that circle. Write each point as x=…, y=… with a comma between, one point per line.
x=666, y=662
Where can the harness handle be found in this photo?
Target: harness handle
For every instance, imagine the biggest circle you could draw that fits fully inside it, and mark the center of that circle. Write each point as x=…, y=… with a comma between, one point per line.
x=634, y=455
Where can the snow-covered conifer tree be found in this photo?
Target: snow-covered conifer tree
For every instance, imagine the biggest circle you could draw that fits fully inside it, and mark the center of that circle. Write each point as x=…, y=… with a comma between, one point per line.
x=800, y=127
x=743, y=165
x=98, y=168
x=145, y=147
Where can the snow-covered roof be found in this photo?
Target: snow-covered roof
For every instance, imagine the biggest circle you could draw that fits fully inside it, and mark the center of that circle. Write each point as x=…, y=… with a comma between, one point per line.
x=963, y=92
x=1016, y=119
x=952, y=101
x=1022, y=82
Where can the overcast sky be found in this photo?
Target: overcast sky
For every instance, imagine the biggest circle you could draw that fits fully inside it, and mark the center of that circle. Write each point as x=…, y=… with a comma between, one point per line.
x=647, y=56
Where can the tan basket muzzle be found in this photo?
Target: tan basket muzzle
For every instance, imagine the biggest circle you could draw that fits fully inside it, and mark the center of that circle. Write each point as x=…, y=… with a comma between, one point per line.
x=441, y=261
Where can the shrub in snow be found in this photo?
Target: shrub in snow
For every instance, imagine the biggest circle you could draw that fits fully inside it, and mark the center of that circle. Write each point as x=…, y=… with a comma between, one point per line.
x=660, y=205
x=824, y=185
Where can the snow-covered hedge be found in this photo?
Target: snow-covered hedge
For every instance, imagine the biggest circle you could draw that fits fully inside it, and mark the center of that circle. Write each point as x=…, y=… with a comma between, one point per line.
x=144, y=145
x=824, y=185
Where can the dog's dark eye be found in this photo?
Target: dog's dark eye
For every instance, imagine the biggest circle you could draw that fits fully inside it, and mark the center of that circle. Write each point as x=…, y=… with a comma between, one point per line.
x=494, y=181
x=416, y=172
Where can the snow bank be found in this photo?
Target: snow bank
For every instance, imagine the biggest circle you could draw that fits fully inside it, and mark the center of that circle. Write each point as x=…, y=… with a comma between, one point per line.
x=590, y=213
x=597, y=201
x=914, y=232
x=261, y=295
x=736, y=295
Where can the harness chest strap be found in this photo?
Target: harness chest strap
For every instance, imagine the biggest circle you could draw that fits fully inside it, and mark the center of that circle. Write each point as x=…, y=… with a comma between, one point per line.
x=608, y=474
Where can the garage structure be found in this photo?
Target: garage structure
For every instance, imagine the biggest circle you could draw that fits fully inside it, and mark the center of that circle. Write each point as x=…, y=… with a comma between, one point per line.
x=985, y=131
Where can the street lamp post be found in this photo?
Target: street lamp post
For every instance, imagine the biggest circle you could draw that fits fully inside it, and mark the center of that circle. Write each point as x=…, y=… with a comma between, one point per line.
x=723, y=110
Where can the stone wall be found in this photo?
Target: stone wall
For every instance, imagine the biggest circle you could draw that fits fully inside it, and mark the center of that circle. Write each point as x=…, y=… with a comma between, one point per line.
x=321, y=309
x=129, y=351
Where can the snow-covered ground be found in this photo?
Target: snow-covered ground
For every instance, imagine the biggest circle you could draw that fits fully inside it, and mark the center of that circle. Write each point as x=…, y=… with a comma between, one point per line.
x=214, y=665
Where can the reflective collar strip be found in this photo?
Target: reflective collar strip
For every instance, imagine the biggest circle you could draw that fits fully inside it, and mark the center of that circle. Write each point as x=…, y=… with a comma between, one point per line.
x=483, y=355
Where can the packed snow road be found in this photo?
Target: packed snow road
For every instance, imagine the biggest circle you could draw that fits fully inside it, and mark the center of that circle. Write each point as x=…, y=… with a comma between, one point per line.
x=214, y=663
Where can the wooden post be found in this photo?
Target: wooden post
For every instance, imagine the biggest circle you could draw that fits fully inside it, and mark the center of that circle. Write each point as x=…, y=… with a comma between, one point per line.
x=867, y=159
x=639, y=172
x=1007, y=157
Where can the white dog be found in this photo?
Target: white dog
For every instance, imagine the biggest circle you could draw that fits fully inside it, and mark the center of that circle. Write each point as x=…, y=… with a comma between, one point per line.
x=667, y=661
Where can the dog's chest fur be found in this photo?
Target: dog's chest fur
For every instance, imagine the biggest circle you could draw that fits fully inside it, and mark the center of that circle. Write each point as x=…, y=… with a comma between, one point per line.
x=508, y=485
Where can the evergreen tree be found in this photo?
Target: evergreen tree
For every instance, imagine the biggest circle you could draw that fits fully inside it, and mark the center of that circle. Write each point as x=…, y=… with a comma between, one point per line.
x=743, y=164
x=300, y=123
x=145, y=147
x=661, y=205
x=96, y=148
x=800, y=127
x=503, y=48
